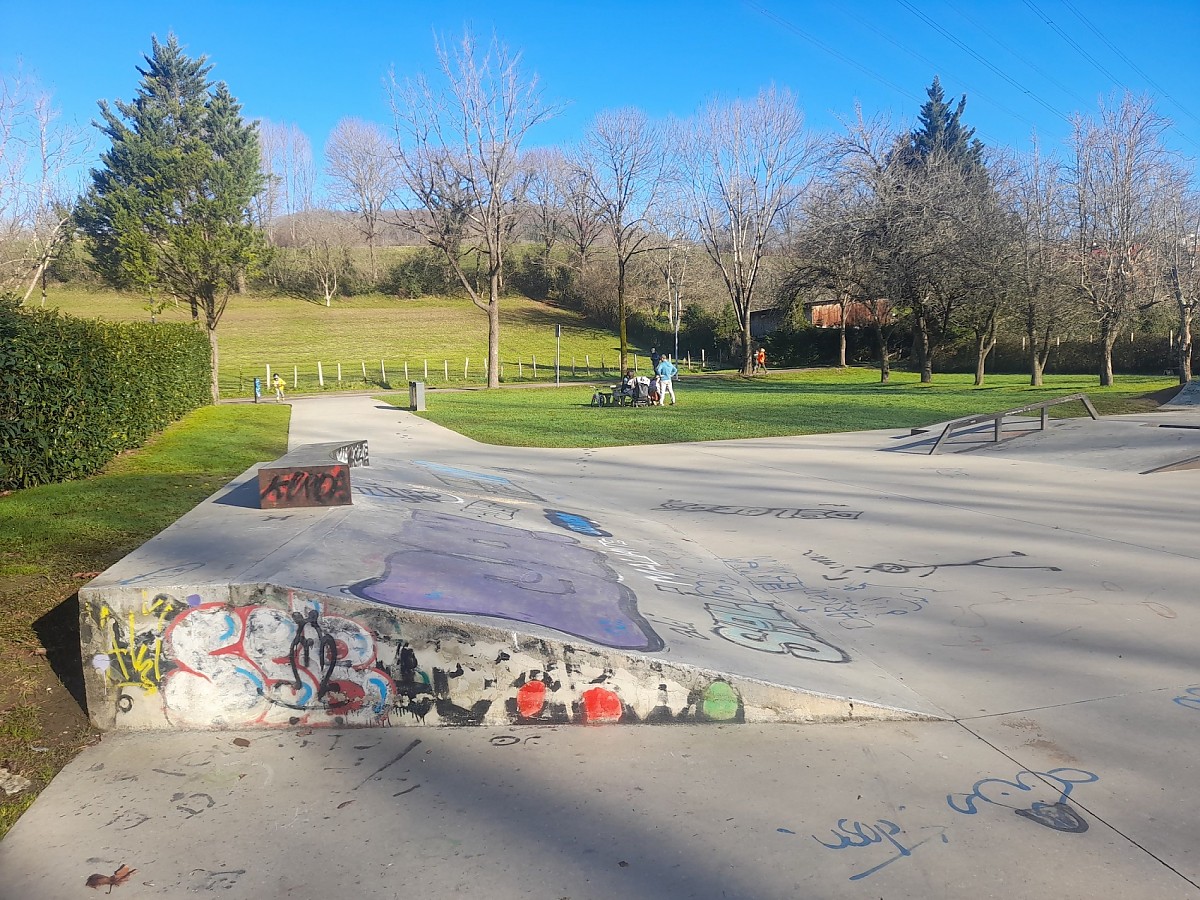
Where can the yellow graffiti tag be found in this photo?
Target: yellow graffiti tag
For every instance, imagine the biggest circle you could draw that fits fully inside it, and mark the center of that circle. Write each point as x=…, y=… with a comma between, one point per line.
x=139, y=662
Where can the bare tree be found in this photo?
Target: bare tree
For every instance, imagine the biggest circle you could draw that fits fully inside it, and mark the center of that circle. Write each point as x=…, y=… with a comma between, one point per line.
x=1045, y=301
x=1180, y=252
x=38, y=156
x=582, y=225
x=622, y=156
x=1118, y=175
x=458, y=160
x=361, y=167
x=290, y=175
x=854, y=235
x=319, y=261
x=546, y=203
x=745, y=162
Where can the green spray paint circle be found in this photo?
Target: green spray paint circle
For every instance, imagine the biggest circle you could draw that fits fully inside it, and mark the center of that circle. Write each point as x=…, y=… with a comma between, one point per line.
x=720, y=702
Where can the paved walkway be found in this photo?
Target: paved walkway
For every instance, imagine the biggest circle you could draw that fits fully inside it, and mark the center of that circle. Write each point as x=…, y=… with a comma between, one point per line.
x=1047, y=608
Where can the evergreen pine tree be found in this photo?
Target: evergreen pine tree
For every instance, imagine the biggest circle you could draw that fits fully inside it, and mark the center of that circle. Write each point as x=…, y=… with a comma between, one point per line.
x=169, y=210
x=941, y=133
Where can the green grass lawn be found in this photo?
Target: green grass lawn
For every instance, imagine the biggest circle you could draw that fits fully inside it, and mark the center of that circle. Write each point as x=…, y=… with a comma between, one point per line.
x=720, y=407
x=292, y=336
x=53, y=536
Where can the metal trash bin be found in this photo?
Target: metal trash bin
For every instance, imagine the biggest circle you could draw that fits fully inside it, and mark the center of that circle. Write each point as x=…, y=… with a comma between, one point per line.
x=416, y=396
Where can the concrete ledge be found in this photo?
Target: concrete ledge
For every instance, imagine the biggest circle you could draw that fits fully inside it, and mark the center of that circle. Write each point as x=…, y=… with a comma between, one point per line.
x=237, y=656
x=312, y=475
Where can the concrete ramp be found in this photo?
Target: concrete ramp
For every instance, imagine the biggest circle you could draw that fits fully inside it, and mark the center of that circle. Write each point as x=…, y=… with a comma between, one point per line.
x=450, y=596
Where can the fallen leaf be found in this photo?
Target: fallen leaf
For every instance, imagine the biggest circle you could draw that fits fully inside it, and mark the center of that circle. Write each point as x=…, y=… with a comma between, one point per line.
x=118, y=877
x=85, y=574
x=345, y=804
x=241, y=742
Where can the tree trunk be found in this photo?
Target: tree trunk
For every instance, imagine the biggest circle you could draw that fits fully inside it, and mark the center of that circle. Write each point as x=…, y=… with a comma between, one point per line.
x=747, y=343
x=885, y=368
x=921, y=345
x=1108, y=337
x=842, y=343
x=1185, y=348
x=984, y=345
x=1037, y=363
x=621, y=310
x=214, y=358
x=493, y=313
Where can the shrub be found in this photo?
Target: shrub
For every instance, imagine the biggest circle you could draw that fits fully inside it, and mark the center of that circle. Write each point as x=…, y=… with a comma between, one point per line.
x=74, y=393
x=424, y=272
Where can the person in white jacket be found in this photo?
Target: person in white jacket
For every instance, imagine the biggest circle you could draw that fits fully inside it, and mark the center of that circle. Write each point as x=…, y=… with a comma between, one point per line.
x=666, y=372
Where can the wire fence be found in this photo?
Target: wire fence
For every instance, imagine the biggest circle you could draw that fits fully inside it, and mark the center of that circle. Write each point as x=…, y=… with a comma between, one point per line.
x=316, y=376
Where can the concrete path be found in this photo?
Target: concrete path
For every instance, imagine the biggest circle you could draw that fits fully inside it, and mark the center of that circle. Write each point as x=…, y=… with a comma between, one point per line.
x=1046, y=607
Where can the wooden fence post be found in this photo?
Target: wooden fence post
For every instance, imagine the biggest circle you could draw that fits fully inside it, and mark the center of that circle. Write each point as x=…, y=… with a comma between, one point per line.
x=320, y=375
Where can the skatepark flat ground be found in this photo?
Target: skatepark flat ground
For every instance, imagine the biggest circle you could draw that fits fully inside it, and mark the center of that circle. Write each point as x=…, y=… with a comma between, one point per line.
x=1036, y=601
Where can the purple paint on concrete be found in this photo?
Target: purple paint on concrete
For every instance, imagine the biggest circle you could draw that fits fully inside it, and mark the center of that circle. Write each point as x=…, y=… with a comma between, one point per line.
x=450, y=564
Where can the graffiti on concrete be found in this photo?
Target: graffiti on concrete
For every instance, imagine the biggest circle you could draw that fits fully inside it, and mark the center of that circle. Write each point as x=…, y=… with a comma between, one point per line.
x=852, y=606
x=777, y=512
x=279, y=658
x=319, y=486
x=1190, y=699
x=646, y=566
x=576, y=523
x=134, y=656
x=353, y=454
x=1059, y=816
x=403, y=494
x=859, y=835
x=1052, y=813
x=739, y=617
x=679, y=627
x=543, y=698
x=259, y=665
x=478, y=482
x=1010, y=560
x=451, y=564
x=487, y=509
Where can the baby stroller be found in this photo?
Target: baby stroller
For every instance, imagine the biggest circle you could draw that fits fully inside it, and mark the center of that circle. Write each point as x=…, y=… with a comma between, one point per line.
x=641, y=392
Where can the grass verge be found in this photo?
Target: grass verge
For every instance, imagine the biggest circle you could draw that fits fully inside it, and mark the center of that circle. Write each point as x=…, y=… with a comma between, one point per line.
x=722, y=407
x=53, y=537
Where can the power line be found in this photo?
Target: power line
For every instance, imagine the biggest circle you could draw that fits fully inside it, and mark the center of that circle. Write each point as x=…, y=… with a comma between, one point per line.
x=1003, y=46
x=932, y=65
x=997, y=70
x=1129, y=62
x=800, y=32
x=1070, y=40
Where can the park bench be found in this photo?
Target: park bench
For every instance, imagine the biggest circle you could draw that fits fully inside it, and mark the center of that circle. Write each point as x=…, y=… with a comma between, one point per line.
x=997, y=419
x=311, y=475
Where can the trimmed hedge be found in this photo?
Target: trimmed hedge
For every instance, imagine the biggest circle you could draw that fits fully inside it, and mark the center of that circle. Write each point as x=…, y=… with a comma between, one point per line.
x=75, y=393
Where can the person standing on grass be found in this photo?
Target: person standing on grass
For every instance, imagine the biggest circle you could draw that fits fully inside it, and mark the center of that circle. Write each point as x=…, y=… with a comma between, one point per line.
x=655, y=358
x=277, y=383
x=760, y=360
x=666, y=371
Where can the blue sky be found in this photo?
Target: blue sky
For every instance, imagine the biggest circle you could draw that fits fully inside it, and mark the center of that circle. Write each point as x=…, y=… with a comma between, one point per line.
x=312, y=63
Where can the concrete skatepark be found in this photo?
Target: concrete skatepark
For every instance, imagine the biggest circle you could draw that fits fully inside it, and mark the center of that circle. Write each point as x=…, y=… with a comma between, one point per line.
x=878, y=673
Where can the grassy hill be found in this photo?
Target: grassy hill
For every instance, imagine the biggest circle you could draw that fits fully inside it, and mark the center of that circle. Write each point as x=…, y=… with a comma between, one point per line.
x=292, y=336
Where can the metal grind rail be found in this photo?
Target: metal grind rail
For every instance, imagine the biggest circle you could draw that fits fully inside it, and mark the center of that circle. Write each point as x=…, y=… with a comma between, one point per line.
x=955, y=425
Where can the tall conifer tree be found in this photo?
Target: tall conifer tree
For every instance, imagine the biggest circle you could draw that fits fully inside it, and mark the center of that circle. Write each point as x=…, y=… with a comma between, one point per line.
x=169, y=210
